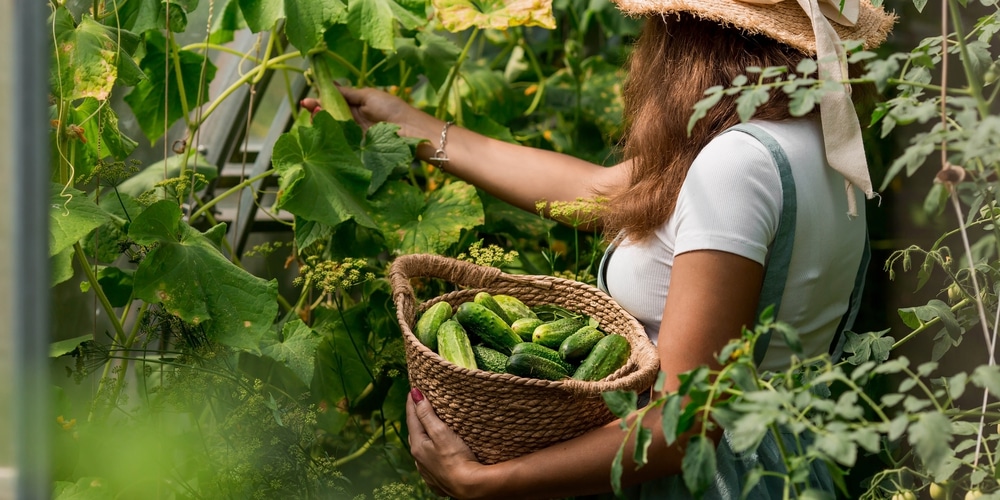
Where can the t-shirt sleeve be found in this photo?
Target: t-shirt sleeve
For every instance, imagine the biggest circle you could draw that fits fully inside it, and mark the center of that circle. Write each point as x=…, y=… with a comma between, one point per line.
x=730, y=200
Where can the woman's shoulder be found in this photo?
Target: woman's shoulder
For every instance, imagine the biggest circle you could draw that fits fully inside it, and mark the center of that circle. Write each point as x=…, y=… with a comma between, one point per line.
x=737, y=152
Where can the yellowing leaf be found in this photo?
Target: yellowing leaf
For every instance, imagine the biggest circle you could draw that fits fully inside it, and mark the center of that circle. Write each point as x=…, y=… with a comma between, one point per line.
x=459, y=15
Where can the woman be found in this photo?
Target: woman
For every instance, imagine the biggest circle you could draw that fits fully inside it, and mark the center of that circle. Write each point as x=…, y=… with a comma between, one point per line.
x=701, y=215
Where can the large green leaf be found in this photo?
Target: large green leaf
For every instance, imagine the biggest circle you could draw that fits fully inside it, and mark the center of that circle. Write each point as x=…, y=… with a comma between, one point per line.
x=435, y=54
x=321, y=177
x=413, y=224
x=61, y=266
x=188, y=274
x=307, y=21
x=384, y=152
x=459, y=15
x=147, y=98
x=141, y=16
x=72, y=215
x=296, y=348
x=374, y=21
x=92, y=126
x=260, y=15
x=227, y=23
x=87, y=57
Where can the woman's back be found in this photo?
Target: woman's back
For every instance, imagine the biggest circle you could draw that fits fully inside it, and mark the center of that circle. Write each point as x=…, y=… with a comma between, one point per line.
x=731, y=201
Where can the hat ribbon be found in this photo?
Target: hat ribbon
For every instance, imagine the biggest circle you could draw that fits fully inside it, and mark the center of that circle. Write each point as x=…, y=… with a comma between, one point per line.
x=841, y=129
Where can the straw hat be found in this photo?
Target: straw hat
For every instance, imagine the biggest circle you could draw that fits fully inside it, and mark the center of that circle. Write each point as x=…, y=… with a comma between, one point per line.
x=784, y=21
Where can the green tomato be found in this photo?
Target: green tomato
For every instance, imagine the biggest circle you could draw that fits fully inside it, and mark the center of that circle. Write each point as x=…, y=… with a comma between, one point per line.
x=973, y=494
x=904, y=495
x=937, y=491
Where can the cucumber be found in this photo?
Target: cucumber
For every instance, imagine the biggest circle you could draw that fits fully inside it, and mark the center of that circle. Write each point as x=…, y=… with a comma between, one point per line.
x=552, y=312
x=576, y=347
x=485, y=324
x=610, y=354
x=529, y=365
x=429, y=322
x=553, y=333
x=524, y=327
x=487, y=300
x=454, y=345
x=514, y=308
x=542, y=352
x=489, y=359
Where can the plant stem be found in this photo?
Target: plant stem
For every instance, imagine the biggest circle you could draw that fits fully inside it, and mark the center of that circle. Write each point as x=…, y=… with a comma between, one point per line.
x=220, y=48
x=923, y=327
x=345, y=63
x=360, y=451
x=266, y=65
x=267, y=51
x=175, y=57
x=229, y=192
x=975, y=86
x=937, y=88
x=96, y=287
x=442, y=107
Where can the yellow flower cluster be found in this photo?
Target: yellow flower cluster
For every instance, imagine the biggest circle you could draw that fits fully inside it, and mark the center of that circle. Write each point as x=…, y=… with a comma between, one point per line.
x=330, y=275
x=491, y=256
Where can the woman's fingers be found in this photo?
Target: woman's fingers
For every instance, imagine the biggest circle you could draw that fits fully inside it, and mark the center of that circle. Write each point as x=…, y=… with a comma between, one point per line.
x=353, y=96
x=429, y=421
x=417, y=433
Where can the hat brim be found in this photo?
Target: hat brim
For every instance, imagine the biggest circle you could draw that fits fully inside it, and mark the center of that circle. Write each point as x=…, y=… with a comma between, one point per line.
x=785, y=22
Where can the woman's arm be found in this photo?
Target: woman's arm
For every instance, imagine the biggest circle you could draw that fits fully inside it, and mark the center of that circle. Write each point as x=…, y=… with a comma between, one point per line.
x=712, y=296
x=519, y=175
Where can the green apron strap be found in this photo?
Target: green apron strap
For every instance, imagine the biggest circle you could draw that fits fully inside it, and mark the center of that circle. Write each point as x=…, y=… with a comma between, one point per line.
x=847, y=321
x=780, y=254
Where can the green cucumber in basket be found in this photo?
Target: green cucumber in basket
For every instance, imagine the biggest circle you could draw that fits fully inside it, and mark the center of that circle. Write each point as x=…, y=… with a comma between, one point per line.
x=514, y=308
x=487, y=300
x=427, y=326
x=490, y=360
x=610, y=354
x=526, y=364
x=485, y=324
x=576, y=347
x=553, y=333
x=542, y=352
x=454, y=345
x=524, y=327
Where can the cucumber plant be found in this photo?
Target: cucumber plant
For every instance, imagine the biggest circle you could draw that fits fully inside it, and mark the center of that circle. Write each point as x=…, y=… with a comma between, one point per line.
x=203, y=370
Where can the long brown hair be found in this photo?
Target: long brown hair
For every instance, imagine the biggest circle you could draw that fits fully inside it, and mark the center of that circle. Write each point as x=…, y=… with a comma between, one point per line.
x=675, y=59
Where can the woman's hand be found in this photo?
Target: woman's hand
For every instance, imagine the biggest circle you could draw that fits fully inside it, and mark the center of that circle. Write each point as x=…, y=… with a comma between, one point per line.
x=443, y=459
x=370, y=106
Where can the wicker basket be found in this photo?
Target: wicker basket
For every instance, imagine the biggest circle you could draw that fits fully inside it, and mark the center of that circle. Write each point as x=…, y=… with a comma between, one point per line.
x=502, y=416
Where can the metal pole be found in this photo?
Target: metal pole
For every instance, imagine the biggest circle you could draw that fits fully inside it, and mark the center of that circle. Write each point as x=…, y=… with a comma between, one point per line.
x=30, y=193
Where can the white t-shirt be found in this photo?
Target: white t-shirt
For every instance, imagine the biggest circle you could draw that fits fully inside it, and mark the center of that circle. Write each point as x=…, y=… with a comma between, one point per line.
x=731, y=201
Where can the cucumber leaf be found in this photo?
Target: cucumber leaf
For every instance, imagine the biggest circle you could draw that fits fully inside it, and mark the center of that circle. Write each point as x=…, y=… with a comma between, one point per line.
x=189, y=276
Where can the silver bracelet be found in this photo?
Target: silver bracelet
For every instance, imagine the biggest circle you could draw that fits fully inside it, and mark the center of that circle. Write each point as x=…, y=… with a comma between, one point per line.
x=440, y=155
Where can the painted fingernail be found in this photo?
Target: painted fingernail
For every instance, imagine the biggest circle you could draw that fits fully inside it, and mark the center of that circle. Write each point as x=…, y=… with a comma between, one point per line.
x=416, y=395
